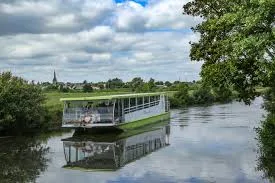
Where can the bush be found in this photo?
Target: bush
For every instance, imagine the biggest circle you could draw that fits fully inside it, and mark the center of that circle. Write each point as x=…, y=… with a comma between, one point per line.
x=181, y=98
x=223, y=94
x=21, y=106
x=202, y=95
x=87, y=88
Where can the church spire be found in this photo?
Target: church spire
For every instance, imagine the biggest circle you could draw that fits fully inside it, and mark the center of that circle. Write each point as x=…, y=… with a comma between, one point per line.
x=54, y=78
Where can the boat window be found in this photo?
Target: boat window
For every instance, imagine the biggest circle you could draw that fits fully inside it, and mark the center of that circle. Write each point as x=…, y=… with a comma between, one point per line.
x=146, y=99
x=126, y=103
x=69, y=105
x=140, y=100
x=152, y=98
x=132, y=102
x=158, y=97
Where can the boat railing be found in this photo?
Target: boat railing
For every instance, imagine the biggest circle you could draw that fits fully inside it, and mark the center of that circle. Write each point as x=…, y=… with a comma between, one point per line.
x=78, y=114
x=141, y=106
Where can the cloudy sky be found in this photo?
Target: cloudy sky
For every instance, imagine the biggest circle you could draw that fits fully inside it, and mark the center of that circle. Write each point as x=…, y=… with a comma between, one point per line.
x=97, y=40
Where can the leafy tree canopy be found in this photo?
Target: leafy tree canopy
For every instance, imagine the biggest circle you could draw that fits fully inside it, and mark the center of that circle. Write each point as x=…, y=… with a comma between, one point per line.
x=115, y=83
x=20, y=104
x=236, y=43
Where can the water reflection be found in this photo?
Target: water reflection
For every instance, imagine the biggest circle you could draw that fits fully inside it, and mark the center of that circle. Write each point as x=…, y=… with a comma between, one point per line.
x=22, y=159
x=111, y=155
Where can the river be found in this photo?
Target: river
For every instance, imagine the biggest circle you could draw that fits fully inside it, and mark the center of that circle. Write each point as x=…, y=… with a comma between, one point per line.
x=199, y=145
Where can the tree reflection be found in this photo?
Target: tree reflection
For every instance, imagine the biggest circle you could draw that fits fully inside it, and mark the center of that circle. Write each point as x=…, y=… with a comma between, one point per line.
x=22, y=159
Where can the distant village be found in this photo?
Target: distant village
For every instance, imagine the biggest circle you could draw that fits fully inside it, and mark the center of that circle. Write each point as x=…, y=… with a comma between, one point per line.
x=116, y=83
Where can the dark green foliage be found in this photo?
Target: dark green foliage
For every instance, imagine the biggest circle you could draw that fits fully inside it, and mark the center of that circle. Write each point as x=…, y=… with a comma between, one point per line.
x=137, y=84
x=237, y=46
x=87, y=88
x=151, y=84
x=237, y=43
x=199, y=95
x=223, y=94
x=159, y=83
x=115, y=83
x=202, y=96
x=64, y=89
x=181, y=98
x=266, y=137
x=168, y=84
x=21, y=106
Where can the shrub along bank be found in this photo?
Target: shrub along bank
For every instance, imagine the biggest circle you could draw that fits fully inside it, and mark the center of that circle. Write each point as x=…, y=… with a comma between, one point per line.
x=201, y=95
x=21, y=105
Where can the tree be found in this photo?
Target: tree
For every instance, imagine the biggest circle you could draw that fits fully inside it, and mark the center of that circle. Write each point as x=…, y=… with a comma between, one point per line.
x=87, y=88
x=266, y=136
x=21, y=106
x=159, y=83
x=168, y=84
x=237, y=43
x=222, y=94
x=181, y=97
x=115, y=83
x=202, y=95
x=151, y=84
x=137, y=84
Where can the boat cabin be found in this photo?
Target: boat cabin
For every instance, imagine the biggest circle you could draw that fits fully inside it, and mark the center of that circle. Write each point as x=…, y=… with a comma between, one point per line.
x=112, y=110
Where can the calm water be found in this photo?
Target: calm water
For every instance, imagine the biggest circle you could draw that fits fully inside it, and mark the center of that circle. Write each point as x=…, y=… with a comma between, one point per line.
x=200, y=144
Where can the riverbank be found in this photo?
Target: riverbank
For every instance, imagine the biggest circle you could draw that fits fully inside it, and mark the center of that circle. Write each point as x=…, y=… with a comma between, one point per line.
x=178, y=99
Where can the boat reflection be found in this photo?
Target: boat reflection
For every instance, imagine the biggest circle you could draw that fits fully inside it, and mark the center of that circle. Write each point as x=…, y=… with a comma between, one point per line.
x=95, y=155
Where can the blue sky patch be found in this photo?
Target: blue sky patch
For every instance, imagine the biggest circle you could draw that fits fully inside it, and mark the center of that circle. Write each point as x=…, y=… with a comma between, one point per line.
x=141, y=2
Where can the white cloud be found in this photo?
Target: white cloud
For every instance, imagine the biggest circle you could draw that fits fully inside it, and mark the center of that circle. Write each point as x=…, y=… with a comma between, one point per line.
x=113, y=40
x=28, y=7
x=162, y=14
x=67, y=20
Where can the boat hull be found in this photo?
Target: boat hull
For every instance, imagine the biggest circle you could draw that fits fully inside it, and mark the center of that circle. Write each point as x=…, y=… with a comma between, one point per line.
x=146, y=121
x=126, y=126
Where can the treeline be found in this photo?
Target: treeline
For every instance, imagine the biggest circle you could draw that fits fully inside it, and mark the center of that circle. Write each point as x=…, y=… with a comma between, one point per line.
x=199, y=94
x=137, y=84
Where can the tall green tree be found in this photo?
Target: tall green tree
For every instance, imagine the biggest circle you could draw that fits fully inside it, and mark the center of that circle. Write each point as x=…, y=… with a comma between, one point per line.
x=151, y=84
x=87, y=88
x=20, y=104
x=236, y=43
x=181, y=98
x=137, y=84
x=115, y=83
x=237, y=46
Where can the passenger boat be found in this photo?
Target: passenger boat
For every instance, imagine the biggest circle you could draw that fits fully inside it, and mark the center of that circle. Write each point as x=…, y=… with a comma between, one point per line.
x=109, y=155
x=123, y=111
